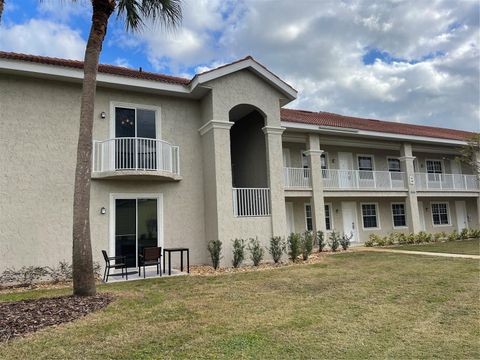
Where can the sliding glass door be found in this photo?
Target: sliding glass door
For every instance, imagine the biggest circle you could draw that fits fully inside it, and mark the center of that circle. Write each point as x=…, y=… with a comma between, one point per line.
x=136, y=227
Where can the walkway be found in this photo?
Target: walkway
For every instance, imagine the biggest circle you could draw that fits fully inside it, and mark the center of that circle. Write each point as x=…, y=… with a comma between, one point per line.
x=462, y=256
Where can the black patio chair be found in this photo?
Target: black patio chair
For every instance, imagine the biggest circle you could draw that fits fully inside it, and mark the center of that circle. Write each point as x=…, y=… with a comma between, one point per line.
x=119, y=262
x=150, y=256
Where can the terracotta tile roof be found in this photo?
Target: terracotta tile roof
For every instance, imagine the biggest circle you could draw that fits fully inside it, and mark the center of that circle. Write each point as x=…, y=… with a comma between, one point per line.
x=341, y=121
x=102, y=68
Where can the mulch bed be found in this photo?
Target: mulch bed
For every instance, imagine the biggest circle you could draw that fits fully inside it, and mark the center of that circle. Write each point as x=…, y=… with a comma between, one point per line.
x=18, y=318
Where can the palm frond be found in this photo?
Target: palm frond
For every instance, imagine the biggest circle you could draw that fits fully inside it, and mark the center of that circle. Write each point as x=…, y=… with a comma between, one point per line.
x=166, y=12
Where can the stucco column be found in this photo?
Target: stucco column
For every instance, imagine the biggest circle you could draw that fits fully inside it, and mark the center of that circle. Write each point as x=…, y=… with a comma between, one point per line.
x=411, y=203
x=273, y=140
x=217, y=179
x=318, y=204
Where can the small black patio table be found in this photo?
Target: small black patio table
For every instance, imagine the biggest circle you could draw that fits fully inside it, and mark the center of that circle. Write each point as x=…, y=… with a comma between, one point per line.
x=181, y=251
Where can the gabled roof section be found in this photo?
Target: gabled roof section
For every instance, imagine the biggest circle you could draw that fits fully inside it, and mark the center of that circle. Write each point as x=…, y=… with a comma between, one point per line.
x=246, y=63
x=327, y=119
x=102, y=68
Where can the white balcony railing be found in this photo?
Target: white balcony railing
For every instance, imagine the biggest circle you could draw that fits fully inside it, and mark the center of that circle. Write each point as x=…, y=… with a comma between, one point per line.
x=363, y=180
x=297, y=177
x=426, y=182
x=135, y=154
x=251, y=201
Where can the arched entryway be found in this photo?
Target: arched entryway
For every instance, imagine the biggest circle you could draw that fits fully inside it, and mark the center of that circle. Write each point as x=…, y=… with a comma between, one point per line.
x=247, y=147
x=251, y=194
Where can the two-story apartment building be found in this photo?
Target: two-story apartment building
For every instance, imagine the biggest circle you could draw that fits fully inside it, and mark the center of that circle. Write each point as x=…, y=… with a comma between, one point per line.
x=179, y=162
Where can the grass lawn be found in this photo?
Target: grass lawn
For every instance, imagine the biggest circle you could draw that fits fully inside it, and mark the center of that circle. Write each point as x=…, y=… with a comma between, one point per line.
x=353, y=305
x=471, y=247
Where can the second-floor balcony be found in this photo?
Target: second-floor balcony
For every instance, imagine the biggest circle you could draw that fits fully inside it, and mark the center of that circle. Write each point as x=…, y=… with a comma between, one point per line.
x=300, y=178
x=446, y=182
x=133, y=156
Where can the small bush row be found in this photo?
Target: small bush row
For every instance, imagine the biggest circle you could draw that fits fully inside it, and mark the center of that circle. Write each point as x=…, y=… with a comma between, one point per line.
x=421, y=238
x=295, y=246
x=28, y=275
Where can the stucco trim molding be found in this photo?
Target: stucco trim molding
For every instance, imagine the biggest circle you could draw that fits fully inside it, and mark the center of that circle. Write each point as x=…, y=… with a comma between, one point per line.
x=275, y=130
x=405, y=158
x=215, y=124
x=313, y=152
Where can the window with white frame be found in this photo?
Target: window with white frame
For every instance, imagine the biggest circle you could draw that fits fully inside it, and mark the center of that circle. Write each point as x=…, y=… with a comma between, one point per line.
x=434, y=170
x=434, y=166
x=308, y=217
x=369, y=216
x=393, y=165
x=365, y=167
x=324, y=164
x=398, y=214
x=440, y=214
x=328, y=217
x=305, y=165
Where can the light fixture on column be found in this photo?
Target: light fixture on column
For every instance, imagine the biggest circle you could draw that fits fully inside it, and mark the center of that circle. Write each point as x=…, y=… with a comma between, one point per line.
x=103, y=115
x=103, y=211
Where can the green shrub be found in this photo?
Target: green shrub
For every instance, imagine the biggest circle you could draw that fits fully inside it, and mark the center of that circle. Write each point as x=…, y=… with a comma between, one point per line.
x=334, y=241
x=256, y=251
x=423, y=237
x=25, y=276
x=381, y=241
x=437, y=237
x=401, y=238
x=345, y=241
x=215, y=250
x=306, y=245
x=372, y=240
x=321, y=240
x=474, y=233
x=294, y=245
x=277, y=248
x=453, y=236
x=238, y=252
x=410, y=238
x=392, y=239
x=463, y=234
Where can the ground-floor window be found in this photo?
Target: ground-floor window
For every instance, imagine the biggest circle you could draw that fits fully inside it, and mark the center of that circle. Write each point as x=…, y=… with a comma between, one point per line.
x=440, y=214
x=308, y=217
x=328, y=217
x=369, y=216
x=398, y=214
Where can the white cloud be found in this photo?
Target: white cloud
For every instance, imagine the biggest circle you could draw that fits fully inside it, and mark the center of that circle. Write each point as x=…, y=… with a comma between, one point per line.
x=318, y=48
x=42, y=37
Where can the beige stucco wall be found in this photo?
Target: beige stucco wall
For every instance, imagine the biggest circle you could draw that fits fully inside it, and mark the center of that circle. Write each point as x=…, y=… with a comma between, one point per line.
x=38, y=147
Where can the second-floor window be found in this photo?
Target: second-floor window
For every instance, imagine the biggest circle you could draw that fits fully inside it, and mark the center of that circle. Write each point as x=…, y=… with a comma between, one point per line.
x=434, y=170
x=324, y=165
x=393, y=165
x=365, y=167
x=135, y=122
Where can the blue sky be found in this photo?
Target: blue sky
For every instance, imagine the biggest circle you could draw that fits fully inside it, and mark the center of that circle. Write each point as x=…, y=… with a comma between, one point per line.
x=406, y=61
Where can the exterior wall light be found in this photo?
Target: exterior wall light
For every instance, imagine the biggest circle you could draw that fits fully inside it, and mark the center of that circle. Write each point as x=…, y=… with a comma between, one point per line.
x=103, y=211
x=103, y=115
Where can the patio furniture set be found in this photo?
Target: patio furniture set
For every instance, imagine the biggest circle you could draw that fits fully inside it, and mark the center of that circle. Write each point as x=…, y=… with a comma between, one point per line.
x=151, y=256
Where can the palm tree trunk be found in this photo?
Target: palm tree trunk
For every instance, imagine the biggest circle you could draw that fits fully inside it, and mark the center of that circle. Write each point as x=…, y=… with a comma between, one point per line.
x=1, y=9
x=83, y=277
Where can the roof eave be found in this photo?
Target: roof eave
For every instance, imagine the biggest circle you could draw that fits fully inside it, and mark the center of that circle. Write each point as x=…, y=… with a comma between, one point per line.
x=369, y=133
x=56, y=72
